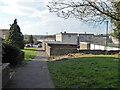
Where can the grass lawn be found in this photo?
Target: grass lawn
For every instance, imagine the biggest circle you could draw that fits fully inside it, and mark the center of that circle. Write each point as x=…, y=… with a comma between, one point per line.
x=95, y=71
x=30, y=53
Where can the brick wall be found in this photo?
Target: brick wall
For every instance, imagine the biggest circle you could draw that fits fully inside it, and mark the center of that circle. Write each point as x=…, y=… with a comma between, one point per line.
x=5, y=73
x=0, y=63
x=48, y=49
x=43, y=45
x=85, y=46
x=0, y=51
x=57, y=49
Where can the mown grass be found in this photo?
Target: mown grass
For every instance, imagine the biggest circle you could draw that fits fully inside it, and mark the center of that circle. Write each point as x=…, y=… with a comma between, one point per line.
x=86, y=72
x=30, y=53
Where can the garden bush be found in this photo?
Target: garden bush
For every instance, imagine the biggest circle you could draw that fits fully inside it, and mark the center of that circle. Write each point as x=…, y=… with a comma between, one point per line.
x=11, y=54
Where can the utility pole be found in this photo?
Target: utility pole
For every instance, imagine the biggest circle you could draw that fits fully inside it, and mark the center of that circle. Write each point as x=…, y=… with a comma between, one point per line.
x=106, y=38
x=78, y=41
x=47, y=35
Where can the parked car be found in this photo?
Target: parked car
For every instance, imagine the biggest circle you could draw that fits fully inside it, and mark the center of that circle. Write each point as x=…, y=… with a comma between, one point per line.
x=31, y=45
x=39, y=45
x=27, y=45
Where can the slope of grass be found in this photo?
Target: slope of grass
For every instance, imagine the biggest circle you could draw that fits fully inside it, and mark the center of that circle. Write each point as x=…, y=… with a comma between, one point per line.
x=30, y=53
x=88, y=71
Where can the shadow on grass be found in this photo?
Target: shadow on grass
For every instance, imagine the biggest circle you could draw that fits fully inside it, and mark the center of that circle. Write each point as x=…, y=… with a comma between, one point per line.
x=30, y=49
x=98, y=57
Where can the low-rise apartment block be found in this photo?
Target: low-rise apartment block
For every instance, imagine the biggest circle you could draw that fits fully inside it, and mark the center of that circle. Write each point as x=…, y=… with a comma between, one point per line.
x=72, y=38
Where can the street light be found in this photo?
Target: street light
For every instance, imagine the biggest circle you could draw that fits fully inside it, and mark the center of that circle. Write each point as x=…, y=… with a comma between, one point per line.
x=78, y=42
x=106, y=37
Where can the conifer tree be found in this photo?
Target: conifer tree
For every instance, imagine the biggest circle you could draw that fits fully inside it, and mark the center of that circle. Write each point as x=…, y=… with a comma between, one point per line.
x=15, y=36
x=30, y=39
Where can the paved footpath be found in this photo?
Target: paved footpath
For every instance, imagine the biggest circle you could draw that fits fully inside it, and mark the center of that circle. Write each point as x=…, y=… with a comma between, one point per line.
x=35, y=74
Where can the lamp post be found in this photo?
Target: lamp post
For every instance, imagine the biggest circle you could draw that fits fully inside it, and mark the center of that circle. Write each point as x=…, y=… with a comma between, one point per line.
x=78, y=42
x=47, y=35
x=106, y=38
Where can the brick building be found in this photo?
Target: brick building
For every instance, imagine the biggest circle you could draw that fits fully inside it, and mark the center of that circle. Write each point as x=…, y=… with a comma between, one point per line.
x=3, y=33
x=58, y=48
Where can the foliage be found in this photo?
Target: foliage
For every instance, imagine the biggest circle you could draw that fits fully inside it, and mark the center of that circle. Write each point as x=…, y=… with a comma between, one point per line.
x=48, y=36
x=116, y=33
x=35, y=41
x=14, y=36
x=87, y=10
x=30, y=39
x=85, y=72
x=30, y=53
x=10, y=54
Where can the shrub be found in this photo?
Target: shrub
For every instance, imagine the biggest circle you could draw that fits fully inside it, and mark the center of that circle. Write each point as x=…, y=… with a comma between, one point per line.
x=11, y=54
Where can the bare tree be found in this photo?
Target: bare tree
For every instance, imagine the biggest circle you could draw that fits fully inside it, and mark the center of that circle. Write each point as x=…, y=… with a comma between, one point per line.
x=86, y=10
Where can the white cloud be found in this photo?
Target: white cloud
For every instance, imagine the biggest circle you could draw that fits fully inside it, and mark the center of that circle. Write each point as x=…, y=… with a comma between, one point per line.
x=23, y=7
x=49, y=22
x=52, y=24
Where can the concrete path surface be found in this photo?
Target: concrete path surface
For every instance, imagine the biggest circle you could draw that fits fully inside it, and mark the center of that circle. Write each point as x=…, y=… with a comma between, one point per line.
x=35, y=74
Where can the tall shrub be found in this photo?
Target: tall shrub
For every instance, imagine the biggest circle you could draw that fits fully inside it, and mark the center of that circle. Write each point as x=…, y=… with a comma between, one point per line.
x=10, y=54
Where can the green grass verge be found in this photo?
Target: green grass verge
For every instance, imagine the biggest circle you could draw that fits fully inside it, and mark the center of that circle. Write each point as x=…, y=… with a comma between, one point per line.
x=30, y=53
x=88, y=71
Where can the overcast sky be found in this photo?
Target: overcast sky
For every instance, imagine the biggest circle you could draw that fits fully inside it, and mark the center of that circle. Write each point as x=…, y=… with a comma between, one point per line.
x=34, y=18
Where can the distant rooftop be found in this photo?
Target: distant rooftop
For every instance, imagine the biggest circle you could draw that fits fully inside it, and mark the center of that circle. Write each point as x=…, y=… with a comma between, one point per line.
x=65, y=33
x=57, y=42
x=4, y=29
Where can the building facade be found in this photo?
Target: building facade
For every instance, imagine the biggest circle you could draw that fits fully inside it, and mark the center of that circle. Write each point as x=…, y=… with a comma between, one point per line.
x=72, y=38
x=3, y=33
x=99, y=39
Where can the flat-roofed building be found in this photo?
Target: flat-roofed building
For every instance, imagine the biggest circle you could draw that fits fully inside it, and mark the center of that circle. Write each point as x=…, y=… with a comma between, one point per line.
x=99, y=39
x=72, y=38
x=54, y=48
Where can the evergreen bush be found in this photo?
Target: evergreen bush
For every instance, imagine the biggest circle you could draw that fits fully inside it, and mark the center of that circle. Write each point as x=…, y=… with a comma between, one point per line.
x=11, y=54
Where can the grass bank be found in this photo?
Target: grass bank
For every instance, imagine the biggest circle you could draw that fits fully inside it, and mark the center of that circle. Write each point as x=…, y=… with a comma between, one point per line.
x=30, y=53
x=88, y=71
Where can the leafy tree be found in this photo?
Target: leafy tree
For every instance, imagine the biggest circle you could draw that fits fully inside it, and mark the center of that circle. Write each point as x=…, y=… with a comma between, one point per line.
x=116, y=23
x=87, y=10
x=30, y=39
x=15, y=36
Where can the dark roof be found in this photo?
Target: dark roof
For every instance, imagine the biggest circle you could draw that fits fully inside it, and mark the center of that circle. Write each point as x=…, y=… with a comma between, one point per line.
x=99, y=35
x=57, y=42
x=74, y=34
